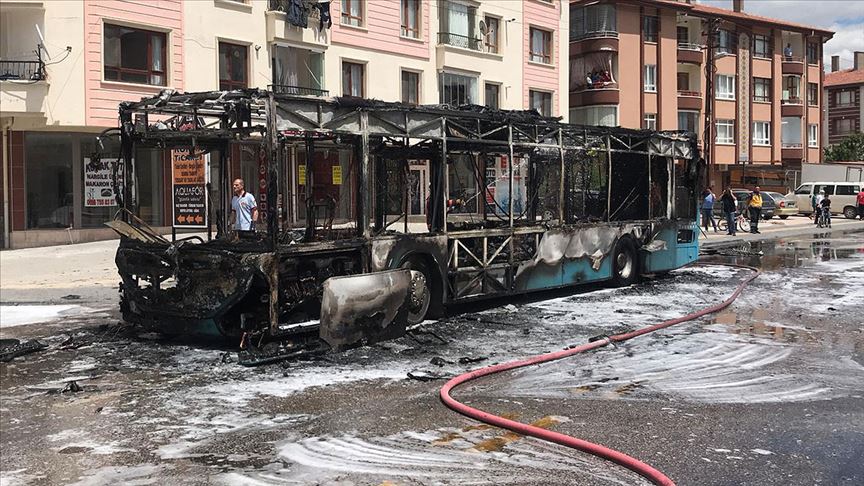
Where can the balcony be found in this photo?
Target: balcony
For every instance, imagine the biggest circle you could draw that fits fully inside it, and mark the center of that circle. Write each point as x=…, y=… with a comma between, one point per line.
x=461, y=41
x=594, y=44
x=792, y=150
x=690, y=53
x=605, y=94
x=792, y=106
x=297, y=90
x=793, y=65
x=23, y=88
x=689, y=100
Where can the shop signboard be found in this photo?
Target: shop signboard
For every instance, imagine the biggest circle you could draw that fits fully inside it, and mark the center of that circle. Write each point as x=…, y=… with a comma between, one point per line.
x=98, y=185
x=189, y=183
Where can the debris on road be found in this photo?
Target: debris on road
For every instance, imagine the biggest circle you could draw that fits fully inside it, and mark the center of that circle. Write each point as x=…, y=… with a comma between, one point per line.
x=12, y=348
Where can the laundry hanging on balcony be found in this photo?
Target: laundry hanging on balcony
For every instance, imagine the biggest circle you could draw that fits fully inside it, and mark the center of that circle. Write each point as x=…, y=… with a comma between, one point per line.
x=324, y=15
x=297, y=13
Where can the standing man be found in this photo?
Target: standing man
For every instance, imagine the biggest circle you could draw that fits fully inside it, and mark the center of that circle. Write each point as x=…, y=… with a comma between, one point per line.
x=730, y=206
x=861, y=203
x=787, y=51
x=754, y=203
x=708, y=199
x=244, y=210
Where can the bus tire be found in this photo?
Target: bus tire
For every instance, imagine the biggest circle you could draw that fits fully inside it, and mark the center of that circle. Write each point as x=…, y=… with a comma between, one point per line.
x=625, y=263
x=427, y=307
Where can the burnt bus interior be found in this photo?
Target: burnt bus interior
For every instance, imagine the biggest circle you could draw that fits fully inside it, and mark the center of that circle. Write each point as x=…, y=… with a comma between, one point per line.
x=352, y=186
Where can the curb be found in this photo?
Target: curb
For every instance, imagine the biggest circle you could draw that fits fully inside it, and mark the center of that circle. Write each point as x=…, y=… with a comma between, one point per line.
x=792, y=232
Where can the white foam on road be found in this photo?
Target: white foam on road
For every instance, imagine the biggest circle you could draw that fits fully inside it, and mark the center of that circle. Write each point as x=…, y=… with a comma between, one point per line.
x=22, y=315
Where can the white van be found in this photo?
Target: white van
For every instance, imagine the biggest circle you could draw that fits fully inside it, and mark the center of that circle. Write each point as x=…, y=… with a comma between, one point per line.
x=844, y=196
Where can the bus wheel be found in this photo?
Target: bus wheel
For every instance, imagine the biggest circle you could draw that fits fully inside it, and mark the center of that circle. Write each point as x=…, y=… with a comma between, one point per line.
x=421, y=291
x=625, y=269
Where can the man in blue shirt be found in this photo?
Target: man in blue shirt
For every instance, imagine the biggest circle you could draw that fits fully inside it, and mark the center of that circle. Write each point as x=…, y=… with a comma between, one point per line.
x=708, y=208
x=243, y=208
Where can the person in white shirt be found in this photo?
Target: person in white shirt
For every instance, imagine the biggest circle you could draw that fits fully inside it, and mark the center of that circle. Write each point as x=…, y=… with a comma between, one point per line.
x=244, y=210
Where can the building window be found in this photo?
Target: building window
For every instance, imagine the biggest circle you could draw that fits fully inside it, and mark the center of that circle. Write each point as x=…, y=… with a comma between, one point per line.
x=792, y=89
x=353, y=81
x=844, y=126
x=683, y=35
x=813, y=136
x=844, y=97
x=683, y=82
x=411, y=18
x=233, y=60
x=650, y=121
x=593, y=20
x=762, y=46
x=541, y=46
x=651, y=78
x=457, y=25
x=602, y=116
x=725, y=132
x=725, y=88
x=812, y=94
x=725, y=42
x=491, y=38
x=762, y=89
x=541, y=101
x=790, y=134
x=492, y=93
x=813, y=53
x=456, y=90
x=689, y=121
x=761, y=133
x=352, y=12
x=649, y=28
x=134, y=55
x=410, y=87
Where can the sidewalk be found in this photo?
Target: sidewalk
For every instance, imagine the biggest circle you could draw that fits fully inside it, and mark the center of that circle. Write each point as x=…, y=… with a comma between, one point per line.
x=777, y=228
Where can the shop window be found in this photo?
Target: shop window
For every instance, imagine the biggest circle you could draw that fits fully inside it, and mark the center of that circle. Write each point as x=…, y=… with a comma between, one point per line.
x=134, y=55
x=48, y=162
x=411, y=18
x=233, y=66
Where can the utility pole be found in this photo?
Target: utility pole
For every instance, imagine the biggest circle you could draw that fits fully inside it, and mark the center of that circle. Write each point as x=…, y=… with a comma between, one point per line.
x=712, y=32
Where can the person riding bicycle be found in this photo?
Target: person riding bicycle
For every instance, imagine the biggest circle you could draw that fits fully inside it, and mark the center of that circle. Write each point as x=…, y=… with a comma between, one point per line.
x=825, y=209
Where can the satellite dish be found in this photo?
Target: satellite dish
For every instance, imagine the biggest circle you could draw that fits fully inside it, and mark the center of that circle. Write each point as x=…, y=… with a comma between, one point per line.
x=42, y=41
x=483, y=29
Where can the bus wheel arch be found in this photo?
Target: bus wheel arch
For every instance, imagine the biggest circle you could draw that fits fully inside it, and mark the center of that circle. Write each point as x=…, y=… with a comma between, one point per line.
x=625, y=262
x=433, y=305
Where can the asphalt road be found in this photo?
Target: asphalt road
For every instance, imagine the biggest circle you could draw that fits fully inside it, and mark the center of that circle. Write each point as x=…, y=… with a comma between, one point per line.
x=768, y=392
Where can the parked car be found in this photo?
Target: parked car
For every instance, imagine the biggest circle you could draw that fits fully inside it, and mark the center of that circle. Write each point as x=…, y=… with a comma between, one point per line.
x=785, y=205
x=768, y=205
x=843, y=196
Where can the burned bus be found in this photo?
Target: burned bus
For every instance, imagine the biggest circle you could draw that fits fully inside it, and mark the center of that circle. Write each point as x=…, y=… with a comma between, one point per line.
x=378, y=215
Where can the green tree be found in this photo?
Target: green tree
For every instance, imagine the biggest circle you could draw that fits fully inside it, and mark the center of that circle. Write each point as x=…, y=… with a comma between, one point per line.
x=850, y=148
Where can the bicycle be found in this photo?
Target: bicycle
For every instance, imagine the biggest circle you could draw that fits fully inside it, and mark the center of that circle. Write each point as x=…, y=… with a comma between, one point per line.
x=824, y=219
x=742, y=223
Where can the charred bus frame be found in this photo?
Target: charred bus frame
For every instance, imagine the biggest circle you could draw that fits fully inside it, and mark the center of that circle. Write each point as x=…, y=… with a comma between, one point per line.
x=579, y=204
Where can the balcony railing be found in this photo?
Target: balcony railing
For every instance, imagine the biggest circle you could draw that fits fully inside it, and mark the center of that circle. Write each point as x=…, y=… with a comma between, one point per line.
x=684, y=92
x=457, y=40
x=597, y=34
x=22, y=70
x=791, y=101
x=686, y=46
x=793, y=59
x=791, y=145
x=298, y=90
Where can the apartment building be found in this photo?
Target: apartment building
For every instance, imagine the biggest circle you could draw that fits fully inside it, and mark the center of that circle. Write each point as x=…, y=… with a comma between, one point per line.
x=643, y=63
x=844, y=100
x=498, y=53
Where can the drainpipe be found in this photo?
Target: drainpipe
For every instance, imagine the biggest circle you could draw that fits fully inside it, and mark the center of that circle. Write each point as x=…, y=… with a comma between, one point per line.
x=7, y=160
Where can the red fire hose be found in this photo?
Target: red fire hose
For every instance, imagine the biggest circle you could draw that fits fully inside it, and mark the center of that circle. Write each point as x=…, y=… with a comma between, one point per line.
x=635, y=465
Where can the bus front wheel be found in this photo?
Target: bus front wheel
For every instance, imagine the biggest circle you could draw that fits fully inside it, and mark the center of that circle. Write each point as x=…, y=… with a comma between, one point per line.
x=625, y=267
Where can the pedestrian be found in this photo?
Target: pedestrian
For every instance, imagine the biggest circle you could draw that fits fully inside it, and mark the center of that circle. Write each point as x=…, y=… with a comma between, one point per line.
x=817, y=205
x=708, y=199
x=861, y=203
x=825, y=208
x=754, y=204
x=244, y=210
x=813, y=205
x=730, y=206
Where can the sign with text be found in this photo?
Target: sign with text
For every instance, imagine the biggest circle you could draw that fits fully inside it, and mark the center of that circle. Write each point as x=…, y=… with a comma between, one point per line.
x=98, y=186
x=189, y=182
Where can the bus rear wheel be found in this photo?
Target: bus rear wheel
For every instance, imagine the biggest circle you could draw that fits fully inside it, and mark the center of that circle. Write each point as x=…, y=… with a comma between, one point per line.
x=625, y=263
